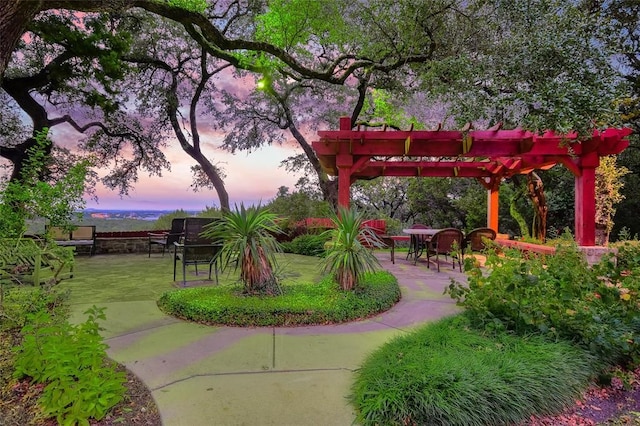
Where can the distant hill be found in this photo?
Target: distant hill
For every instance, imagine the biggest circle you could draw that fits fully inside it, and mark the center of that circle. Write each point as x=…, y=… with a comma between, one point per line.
x=124, y=214
x=112, y=220
x=123, y=220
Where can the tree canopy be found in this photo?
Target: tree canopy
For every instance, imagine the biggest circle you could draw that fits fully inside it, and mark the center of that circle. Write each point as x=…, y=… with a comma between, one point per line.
x=115, y=69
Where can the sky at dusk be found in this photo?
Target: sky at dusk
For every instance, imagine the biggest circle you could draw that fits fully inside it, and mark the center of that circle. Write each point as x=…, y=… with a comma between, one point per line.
x=250, y=178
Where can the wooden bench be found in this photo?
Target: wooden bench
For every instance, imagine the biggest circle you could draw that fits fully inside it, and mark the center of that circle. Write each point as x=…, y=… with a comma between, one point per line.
x=379, y=227
x=28, y=260
x=526, y=247
x=81, y=236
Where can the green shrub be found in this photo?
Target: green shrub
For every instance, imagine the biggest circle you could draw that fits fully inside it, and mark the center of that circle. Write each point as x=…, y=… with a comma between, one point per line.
x=628, y=257
x=248, y=243
x=21, y=302
x=71, y=361
x=447, y=374
x=299, y=304
x=306, y=245
x=560, y=297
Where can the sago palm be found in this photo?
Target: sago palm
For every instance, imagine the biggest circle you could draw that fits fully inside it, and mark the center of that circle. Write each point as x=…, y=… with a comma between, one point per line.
x=247, y=236
x=347, y=257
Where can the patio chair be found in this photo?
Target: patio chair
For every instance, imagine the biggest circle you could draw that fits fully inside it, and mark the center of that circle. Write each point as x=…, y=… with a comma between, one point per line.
x=418, y=242
x=166, y=239
x=446, y=241
x=474, y=240
x=194, y=249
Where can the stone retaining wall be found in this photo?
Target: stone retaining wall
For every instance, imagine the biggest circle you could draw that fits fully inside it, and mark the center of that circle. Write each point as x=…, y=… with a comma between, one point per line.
x=125, y=245
x=124, y=242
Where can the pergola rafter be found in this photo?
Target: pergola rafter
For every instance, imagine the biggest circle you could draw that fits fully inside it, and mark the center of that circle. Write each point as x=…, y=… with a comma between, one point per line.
x=488, y=155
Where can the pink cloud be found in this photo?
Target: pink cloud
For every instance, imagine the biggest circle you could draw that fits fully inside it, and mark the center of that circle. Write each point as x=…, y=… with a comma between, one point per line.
x=251, y=178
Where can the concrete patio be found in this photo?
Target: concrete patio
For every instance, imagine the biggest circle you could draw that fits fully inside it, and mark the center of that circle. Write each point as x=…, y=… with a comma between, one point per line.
x=203, y=375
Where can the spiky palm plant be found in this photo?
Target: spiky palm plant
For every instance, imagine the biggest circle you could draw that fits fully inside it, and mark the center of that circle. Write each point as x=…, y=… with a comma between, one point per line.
x=347, y=257
x=247, y=236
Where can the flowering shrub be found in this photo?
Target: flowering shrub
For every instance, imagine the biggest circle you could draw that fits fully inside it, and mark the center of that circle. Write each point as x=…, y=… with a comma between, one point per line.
x=560, y=297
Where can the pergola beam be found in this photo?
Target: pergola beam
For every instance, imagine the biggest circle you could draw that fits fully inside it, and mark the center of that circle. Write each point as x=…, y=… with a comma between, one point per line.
x=488, y=155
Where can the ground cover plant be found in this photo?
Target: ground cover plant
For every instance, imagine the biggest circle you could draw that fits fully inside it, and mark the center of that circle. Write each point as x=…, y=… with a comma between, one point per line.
x=301, y=303
x=449, y=374
x=52, y=371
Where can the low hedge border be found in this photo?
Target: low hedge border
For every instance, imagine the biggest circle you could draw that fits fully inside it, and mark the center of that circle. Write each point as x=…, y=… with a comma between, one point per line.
x=300, y=304
x=446, y=373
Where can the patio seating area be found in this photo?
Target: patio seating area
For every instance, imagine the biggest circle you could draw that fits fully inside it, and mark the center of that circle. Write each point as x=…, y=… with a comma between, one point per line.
x=201, y=374
x=432, y=243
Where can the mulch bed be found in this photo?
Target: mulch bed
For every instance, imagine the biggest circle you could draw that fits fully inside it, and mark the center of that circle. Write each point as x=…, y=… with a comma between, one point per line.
x=613, y=404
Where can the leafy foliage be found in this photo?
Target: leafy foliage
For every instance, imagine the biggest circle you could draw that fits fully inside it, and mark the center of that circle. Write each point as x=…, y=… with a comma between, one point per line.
x=383, y=197
x=297, y=205
x=299, y=304
x=71, y=361
x=628, y=256
x=558, y=297
x=22, y=302
x=528, y=69
x=347, y=257
x=449, y=374
x=164, y=221
x=307, y=245
x=609, y=185
x=31, y=197
x=293, y=24
x=448, y=202
x=192, y=5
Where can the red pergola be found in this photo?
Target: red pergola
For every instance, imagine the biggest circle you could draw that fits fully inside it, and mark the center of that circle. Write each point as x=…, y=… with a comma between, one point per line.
x=488, y=155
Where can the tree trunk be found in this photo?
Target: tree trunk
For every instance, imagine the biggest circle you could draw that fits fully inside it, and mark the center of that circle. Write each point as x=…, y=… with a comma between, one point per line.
x=20, y=90
x=535, y=190
x=15, y=15
x=329, y=190
x=214, y=177
x=257, y=274
x=328, y=187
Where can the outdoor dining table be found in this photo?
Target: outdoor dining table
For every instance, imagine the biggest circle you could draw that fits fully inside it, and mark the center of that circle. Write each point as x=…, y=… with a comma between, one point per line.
x=419, y=236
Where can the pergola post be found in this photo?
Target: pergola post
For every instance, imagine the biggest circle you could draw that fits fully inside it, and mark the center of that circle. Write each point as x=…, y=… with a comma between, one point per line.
x=493, y=205
x=585, y=200
x=344, y=162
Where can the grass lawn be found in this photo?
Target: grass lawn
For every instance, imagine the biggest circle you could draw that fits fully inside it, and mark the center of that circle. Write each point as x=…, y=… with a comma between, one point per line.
x=307, y=298
x=136, y=277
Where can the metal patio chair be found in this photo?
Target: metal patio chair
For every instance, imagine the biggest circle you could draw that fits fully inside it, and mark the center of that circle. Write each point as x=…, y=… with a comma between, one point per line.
x=166, y=239
x=194, y=249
